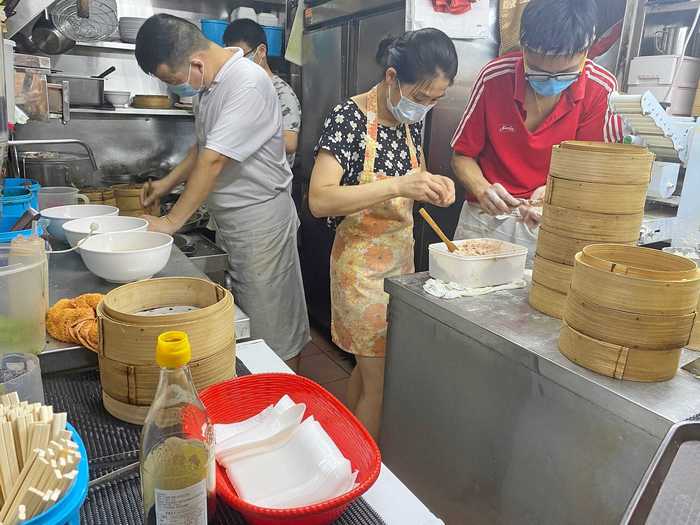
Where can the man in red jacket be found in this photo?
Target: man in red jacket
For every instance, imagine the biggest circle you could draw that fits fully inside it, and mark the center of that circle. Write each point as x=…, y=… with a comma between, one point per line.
x=523, y=104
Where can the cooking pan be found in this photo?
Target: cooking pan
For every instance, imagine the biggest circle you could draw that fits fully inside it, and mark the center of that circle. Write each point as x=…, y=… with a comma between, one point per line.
x=84, y=90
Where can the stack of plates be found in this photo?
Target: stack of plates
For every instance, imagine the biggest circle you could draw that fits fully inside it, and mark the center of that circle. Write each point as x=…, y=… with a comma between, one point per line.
x=129, y=28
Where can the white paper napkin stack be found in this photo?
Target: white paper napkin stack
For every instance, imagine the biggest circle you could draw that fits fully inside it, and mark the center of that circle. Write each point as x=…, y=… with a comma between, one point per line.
x=276, y=461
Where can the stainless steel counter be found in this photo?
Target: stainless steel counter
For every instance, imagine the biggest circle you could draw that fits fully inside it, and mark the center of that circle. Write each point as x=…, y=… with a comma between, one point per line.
x=513, y=430
x=68, y=277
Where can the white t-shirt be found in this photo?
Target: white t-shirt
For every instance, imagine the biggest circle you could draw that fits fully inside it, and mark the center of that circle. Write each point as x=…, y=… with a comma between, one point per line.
x=239, y=117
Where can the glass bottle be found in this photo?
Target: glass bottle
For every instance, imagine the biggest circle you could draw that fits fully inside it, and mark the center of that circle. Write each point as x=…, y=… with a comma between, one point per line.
x=178, y=473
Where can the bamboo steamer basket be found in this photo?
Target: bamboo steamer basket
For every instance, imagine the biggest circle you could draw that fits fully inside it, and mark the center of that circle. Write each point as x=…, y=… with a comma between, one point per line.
x=633, y=330
x=130, y=338
x=549, y=302
x=137, y=385
x=616, y=361
x=128, y=197
x=136, y=415
x=622, y=199
x=637, y=280
x=694, y=343
x=595, y=227
x=561, y=249
x=553, y=275
x=602, y=163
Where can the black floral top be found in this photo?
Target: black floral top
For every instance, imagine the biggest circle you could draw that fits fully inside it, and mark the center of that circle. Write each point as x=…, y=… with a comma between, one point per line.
x=343, y=135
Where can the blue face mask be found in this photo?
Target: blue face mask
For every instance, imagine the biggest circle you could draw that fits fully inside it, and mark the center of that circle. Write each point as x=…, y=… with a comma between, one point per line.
x=187, y=90
x=550, y=87
x=407, y=111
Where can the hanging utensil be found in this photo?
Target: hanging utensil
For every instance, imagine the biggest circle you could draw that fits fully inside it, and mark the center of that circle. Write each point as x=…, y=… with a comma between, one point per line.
x=49, y=39
x=452, y=247
x=84, y=8
x=100, y=23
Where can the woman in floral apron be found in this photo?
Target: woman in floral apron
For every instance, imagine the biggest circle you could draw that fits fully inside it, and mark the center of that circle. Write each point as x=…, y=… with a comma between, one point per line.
x=369, y=171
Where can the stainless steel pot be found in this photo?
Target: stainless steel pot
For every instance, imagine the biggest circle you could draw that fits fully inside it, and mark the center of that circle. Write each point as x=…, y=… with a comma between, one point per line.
x=51, y=168
x=671, y=39
x=84, y=91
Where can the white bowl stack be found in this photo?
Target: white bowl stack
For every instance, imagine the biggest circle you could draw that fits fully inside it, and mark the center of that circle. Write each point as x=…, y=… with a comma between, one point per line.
x=129, y=28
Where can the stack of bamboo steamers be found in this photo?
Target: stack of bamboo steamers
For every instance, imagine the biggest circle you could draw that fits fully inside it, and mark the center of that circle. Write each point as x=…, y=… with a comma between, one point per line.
x=630, y=311
x=627, y=311
x=595, y=194
x=132, y=317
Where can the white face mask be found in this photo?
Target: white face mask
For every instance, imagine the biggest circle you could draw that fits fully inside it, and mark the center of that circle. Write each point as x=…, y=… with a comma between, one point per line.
x=407, y=111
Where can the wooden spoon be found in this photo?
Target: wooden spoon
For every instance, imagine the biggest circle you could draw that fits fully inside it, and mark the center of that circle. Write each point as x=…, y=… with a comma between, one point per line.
x=452, y=247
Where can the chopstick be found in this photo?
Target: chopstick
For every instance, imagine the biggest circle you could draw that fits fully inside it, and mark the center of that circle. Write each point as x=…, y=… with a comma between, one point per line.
x=38, y=459
x=450, y=245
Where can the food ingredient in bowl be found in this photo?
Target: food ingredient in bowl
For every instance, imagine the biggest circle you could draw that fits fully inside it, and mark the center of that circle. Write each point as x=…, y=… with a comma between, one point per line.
x=480, y=247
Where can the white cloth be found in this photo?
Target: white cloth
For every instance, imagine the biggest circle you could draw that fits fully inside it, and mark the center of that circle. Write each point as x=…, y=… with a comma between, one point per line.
x=443, y=290
x=239, y=117
x=477, y=224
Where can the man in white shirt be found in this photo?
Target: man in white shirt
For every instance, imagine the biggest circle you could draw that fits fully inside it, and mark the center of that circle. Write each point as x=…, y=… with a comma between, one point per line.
x=250, y=37
x=238, y=166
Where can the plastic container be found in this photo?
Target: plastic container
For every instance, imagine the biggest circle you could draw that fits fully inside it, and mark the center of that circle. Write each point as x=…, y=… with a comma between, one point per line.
x=15, y=201
x=214, y=30
x=477, y=271
x=244, y=397
x=21, y=373
x=32, y=185
x=23, y=300
x=51, y=197
x=664, y=178
x=6, y=223
x=275, y=40
x=244, y=12
x=66, y=511
x=268, y=19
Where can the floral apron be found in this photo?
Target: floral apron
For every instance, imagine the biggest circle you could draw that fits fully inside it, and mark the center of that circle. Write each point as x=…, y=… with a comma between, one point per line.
x=370, y=246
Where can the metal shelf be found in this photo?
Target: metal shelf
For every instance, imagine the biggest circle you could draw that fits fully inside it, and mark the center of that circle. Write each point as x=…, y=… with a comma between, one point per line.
x=118, y=46
x=673, y=201
x=688, y=5
x=135, y=111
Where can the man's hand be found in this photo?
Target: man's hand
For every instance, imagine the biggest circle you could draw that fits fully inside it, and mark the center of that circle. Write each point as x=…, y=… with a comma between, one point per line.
x=495, y=200
x=161, y=224
x=152, y=192
x=531, y=213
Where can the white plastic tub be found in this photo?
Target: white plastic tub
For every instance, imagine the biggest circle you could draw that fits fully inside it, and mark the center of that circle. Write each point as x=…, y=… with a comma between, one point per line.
x=480, y=270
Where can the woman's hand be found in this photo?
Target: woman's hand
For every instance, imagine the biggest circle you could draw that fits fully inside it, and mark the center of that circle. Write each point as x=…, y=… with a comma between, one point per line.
x=423, y=186
x=531, y=212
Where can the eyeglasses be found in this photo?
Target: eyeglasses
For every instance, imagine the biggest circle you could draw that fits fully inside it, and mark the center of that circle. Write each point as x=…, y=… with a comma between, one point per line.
x=543, y=77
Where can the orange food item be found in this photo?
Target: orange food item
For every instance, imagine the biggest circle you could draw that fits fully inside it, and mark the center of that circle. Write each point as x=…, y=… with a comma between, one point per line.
x=75, y=320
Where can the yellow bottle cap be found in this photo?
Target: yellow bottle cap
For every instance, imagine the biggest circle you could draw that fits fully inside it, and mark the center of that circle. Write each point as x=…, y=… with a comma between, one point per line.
x=173, y=350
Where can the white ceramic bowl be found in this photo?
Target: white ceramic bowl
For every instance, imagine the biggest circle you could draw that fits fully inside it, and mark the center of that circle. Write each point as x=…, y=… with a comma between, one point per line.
x=78, y=229
x=60, y=215
x=118, y=98
x=126, y=256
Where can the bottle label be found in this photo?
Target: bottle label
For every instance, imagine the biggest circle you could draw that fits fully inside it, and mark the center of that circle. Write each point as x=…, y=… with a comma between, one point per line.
x=186, y=506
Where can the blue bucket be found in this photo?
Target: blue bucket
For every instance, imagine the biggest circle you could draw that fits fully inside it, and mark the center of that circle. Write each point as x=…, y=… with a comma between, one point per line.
x=66, y=511
x=33, y=186
x=275, y=40
x=214, y=30
x=6, y=235
x=15, y=201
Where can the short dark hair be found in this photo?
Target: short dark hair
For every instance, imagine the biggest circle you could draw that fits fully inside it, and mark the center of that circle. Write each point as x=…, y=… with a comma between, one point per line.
x=558, y=27
x=419, y=55
x=245, y=30
x=167, y=40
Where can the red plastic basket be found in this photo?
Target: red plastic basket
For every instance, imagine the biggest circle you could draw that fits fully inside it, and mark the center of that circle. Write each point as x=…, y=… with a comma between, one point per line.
x=244, y=397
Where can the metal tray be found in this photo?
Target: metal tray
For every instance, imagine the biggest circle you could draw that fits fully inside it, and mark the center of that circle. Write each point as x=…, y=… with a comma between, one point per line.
x=669, y=492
